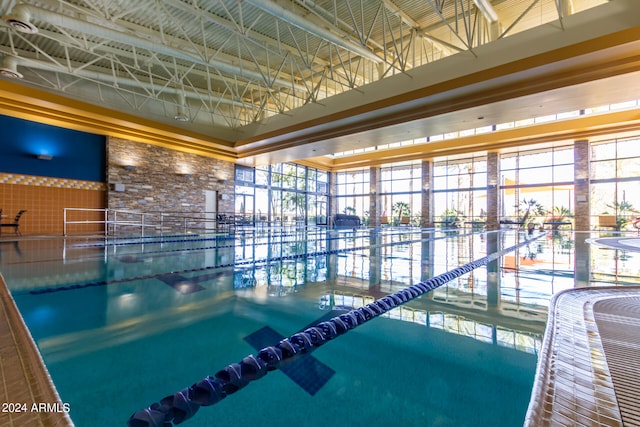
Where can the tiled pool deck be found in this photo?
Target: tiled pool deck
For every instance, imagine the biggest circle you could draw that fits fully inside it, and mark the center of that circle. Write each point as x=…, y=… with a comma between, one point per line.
x=24, y=380
x=581, y=378
x=587, y=375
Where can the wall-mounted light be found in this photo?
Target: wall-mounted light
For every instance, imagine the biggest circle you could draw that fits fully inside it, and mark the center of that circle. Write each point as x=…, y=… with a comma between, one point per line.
x=129, y=167
x=44, y=156
x=184, y=174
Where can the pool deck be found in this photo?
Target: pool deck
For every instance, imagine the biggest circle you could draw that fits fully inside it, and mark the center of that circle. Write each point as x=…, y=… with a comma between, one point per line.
x=25, y=381
x=587, y=374
x=589, y=365
x=588, y=368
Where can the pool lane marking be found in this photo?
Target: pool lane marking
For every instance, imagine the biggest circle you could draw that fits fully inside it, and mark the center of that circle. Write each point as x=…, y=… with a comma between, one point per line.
x=180, y=283
x=186, y=285
x=306, y=371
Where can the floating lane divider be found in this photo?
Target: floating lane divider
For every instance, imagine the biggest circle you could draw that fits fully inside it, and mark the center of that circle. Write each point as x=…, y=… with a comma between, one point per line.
x=182, y=405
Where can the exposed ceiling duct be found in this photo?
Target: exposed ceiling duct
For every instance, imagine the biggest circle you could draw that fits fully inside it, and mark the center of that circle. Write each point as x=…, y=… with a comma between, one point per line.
x=181, y=114
x=20, y=20
x=10, y=68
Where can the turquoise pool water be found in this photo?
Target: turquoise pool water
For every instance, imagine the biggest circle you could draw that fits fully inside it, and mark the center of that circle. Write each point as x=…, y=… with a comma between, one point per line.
x=124, y=324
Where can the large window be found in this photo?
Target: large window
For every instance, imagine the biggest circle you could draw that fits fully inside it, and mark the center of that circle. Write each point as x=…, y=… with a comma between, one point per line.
x=537, y=185
x=353, y=190
x=460, y=190
x=615, y=175
x=400, y=188
x=282, y=194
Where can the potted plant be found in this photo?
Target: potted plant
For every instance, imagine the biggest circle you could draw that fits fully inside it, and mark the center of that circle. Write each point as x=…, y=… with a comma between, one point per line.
x=349, y=210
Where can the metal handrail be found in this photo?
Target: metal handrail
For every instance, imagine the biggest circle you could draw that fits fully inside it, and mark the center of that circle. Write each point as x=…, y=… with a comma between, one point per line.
x=112, y=219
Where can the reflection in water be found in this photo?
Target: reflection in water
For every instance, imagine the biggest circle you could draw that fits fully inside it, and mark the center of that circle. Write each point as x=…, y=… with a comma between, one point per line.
x=133, y=307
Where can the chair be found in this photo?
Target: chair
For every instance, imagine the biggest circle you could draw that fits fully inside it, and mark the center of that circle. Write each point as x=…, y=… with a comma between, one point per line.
x=15, y=224
x=608, y=221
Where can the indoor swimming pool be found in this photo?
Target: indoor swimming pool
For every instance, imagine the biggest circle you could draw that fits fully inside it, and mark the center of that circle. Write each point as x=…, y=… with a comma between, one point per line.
x=123, y=323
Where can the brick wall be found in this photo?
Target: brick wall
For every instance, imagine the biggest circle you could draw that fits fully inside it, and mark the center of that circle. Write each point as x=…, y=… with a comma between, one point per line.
x=45, y=199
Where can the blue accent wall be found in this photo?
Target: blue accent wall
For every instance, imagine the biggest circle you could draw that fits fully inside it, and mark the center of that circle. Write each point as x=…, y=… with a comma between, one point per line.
x=75, y=155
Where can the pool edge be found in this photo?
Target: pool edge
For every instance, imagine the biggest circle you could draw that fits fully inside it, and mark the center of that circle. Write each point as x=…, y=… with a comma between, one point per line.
x=29, y=395
x=573, y=383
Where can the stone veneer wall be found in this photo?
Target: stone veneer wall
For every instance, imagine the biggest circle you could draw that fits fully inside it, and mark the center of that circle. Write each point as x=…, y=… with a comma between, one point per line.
x=158, y=182
x=493, y=191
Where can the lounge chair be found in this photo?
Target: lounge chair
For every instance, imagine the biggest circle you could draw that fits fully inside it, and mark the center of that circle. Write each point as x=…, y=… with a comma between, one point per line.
x=15, y=224
x=608, y=221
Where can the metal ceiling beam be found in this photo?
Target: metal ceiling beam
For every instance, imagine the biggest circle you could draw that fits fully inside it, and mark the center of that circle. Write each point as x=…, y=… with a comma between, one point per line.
x=70, y=23
x=119, y=81
x=487, y=10
x=255, y=38
x=343, y=40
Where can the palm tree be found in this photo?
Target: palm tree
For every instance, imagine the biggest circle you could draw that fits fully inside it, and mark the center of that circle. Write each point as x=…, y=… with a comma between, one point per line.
x=559, y=214
x=531, y=207
x=402, y=209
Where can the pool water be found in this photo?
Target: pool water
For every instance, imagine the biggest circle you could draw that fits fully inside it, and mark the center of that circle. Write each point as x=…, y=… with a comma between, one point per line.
x=123, y=324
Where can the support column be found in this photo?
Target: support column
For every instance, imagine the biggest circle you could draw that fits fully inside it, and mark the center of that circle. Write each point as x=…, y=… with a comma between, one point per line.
x=493, y=191
x=582, y=260
x=493, y=273
x=582, y=214
x=375, y=259
x=427, y=258
x=426, y=221
x=333, y=202
x=581, y=193
x=374, y=196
